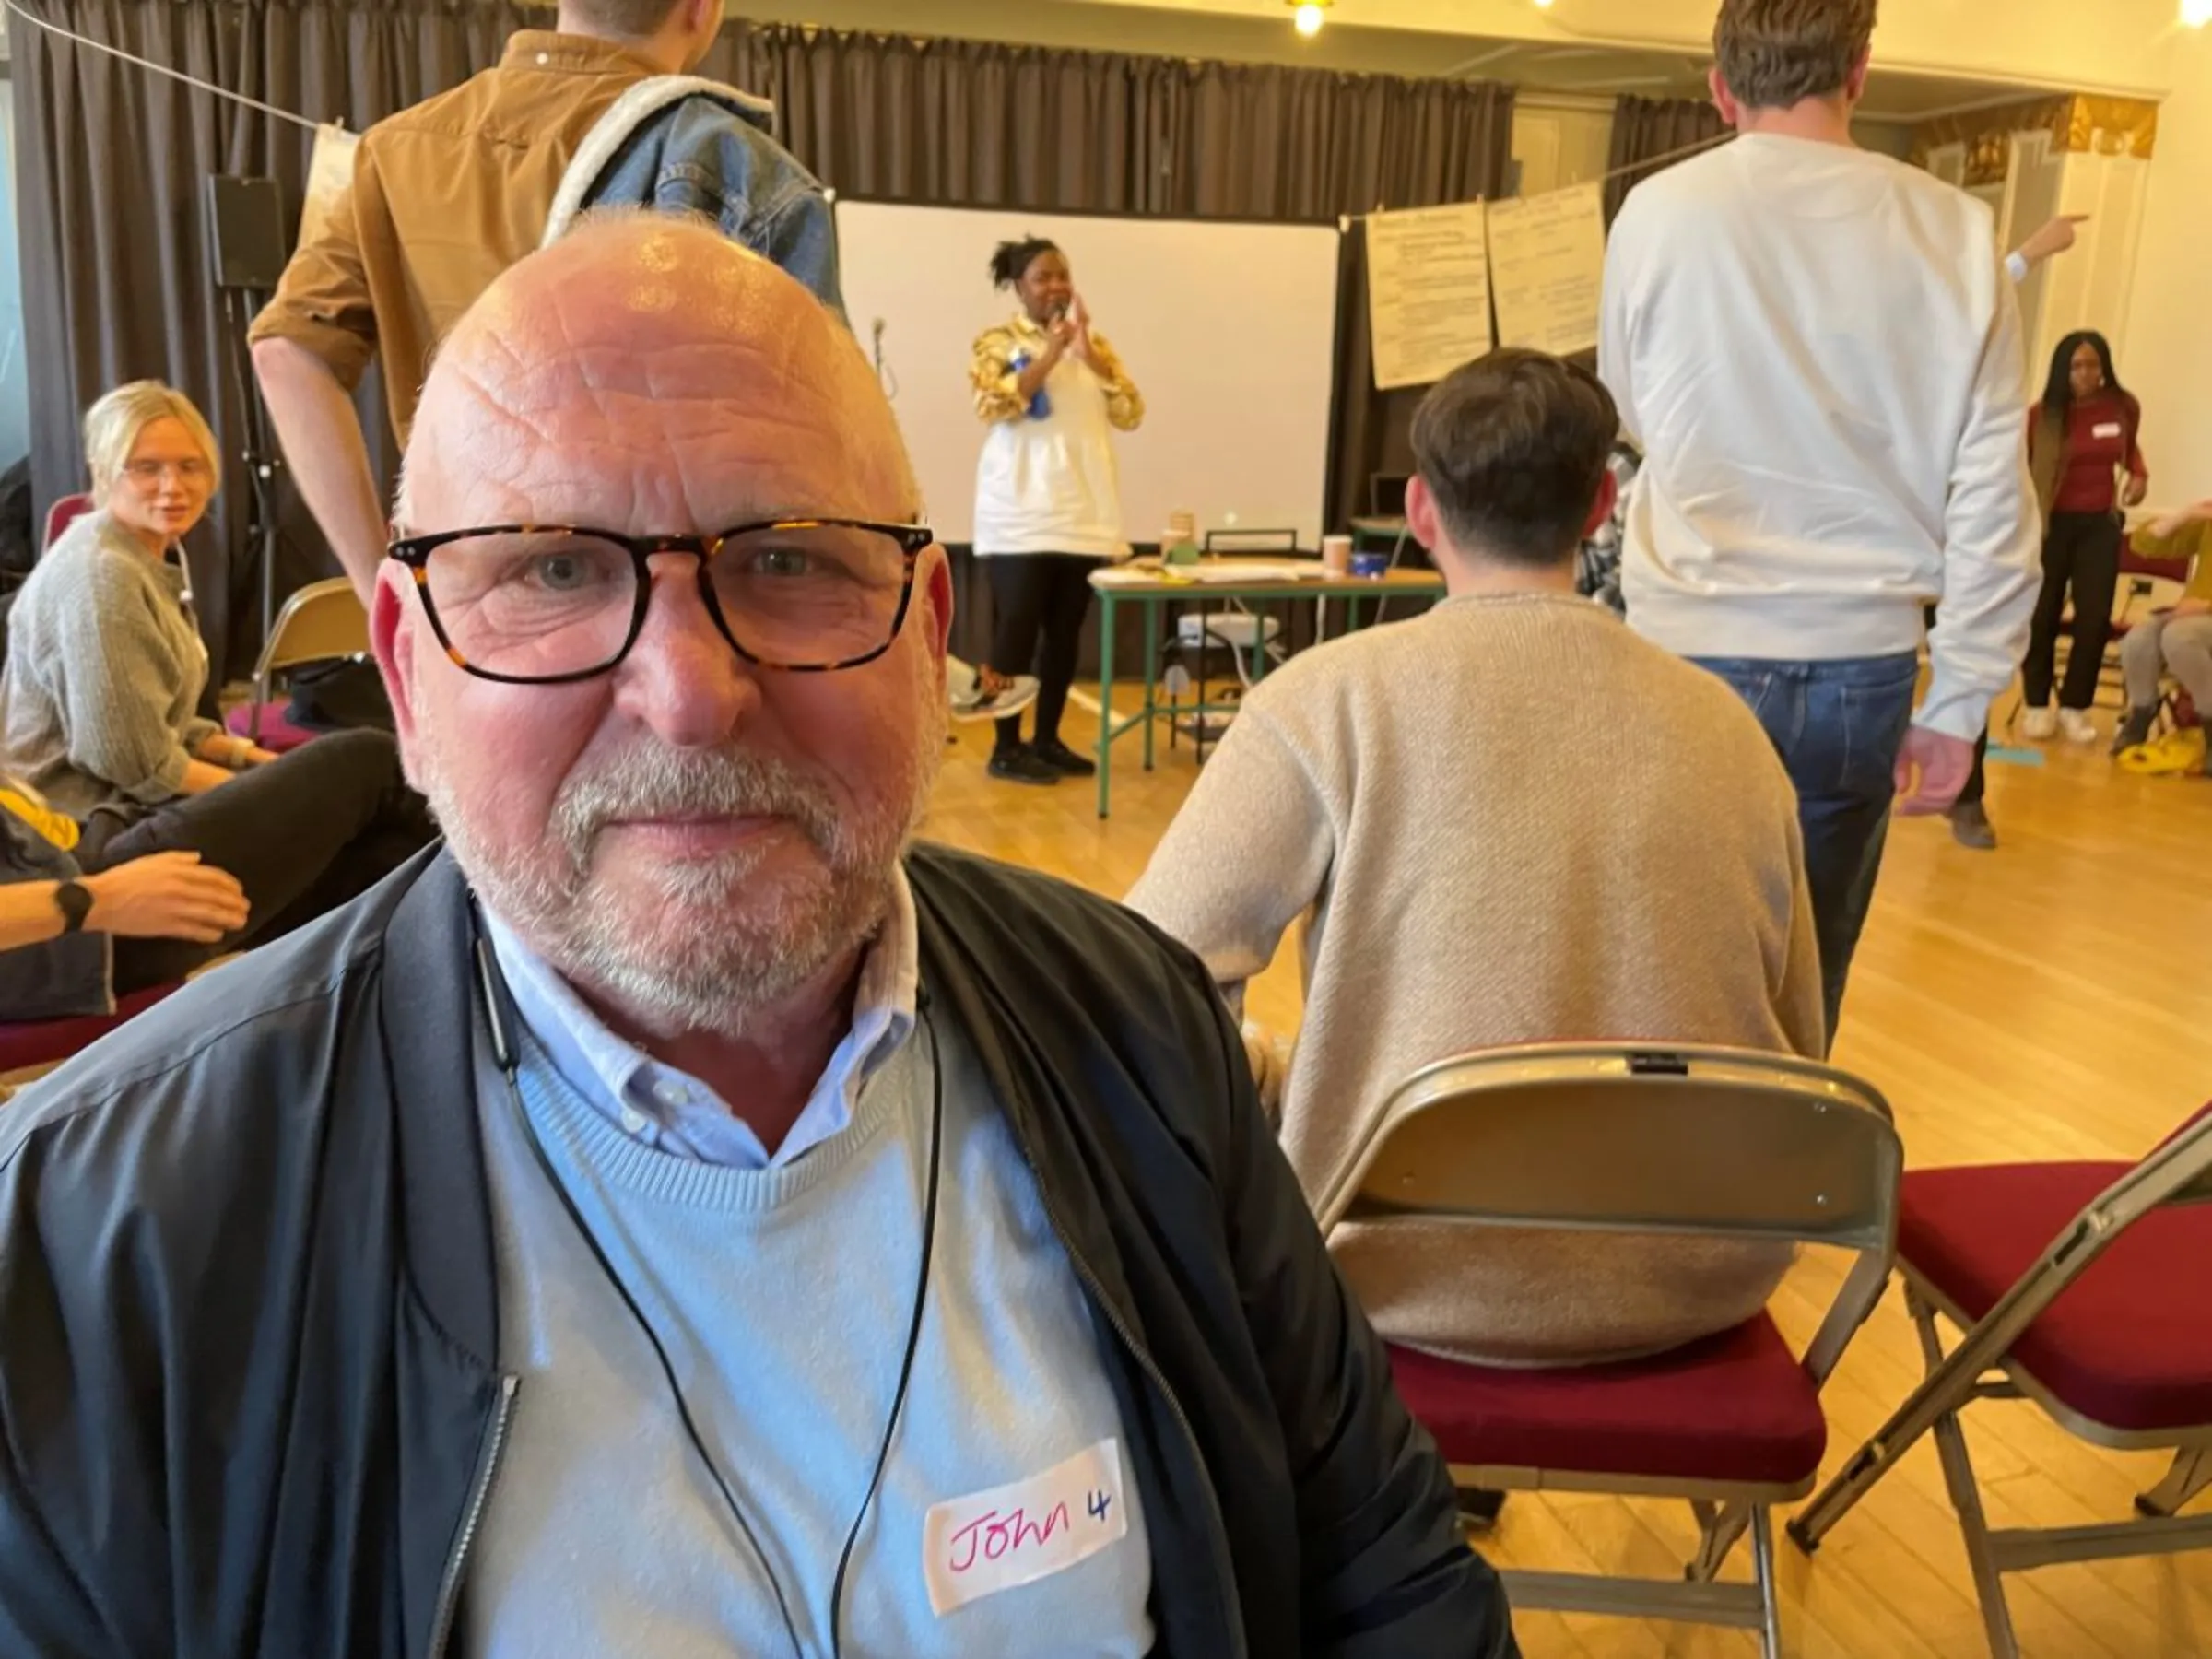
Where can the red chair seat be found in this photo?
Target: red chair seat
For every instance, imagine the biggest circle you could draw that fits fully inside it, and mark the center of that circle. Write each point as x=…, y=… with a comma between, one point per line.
x=2129, y=1343
x=1736, y=1407
x=278, y=735
x=26, y=1042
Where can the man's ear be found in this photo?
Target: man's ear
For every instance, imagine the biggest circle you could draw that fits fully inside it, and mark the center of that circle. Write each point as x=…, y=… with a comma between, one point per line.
x=1422, y=515
x=1722, y=99
x=697, y=14
x=394, y=613
x=1854, y=83
x=1609, y=496
x=935, y=578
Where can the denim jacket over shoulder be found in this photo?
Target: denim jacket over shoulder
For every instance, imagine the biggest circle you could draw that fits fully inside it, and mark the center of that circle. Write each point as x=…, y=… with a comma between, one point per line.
x=681, y=143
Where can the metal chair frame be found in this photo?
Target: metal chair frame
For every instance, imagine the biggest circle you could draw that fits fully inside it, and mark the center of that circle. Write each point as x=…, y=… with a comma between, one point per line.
x=1983, y=1367
x=298, y=637
x=1636, y=1138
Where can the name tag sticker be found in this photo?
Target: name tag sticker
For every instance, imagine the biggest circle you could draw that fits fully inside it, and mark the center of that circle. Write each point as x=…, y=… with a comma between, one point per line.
x=1015, y=1534
x=2107, y=428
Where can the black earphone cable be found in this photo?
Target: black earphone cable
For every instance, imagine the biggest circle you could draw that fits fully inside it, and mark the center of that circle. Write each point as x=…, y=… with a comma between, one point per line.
x=913, y=1329
x=510, y=1062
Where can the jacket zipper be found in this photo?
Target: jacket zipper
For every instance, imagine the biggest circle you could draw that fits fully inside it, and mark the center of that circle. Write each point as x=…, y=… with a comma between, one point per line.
x=472, y=1518
x=1104, y=1303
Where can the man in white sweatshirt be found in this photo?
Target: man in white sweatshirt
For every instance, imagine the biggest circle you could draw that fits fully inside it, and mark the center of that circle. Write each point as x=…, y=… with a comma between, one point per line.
x=1821, y=356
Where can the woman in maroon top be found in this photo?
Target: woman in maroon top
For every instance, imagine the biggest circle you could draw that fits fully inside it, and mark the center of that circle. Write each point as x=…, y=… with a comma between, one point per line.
x=2081, y=438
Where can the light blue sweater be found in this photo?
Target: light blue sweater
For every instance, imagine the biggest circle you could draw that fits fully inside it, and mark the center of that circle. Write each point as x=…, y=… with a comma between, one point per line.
x=783, y=1298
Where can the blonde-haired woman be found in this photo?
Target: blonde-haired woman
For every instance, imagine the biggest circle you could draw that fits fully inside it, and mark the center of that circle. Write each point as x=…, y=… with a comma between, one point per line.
x=103, y=755
x=99, y=699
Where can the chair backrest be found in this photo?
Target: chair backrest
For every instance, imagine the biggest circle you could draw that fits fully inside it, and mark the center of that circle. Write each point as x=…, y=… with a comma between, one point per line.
x=1639, y=1138
x=2178, y=1171
x=62, y=514
x=323, y=620
x=1263, y=544
x=1634, y=1138
x=2133, y=563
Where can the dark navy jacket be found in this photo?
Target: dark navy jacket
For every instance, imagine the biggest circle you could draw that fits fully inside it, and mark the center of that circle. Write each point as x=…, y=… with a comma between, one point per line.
x=251, y=1391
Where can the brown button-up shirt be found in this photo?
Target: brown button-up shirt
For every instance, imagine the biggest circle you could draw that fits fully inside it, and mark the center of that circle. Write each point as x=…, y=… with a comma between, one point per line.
x=445, y=196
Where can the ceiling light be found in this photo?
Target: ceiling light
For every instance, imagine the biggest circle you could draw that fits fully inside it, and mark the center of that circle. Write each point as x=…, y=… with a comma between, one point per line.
x=1545, y=4
x=1307, y=15
x=2197, y=13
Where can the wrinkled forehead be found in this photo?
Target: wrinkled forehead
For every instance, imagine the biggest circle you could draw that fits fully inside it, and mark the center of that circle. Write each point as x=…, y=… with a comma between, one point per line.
x=649, y=393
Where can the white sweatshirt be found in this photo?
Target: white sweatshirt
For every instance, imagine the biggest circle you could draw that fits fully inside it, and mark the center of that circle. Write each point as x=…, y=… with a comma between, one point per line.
x=1817, y=350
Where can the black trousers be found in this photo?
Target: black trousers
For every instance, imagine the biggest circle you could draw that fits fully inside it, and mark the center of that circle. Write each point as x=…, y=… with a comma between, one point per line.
x=1040, y=601
x=302, y=834
x=2080, y=552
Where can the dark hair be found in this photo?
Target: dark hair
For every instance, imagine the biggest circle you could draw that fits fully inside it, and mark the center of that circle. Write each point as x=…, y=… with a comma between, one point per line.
x=1012, y=260
x=1775, y=53
x=625, y=19
x=2058, y=389
x=1513, y=448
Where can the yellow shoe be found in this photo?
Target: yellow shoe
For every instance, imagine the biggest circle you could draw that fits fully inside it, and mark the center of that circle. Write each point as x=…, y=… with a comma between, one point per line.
x=2172, y=755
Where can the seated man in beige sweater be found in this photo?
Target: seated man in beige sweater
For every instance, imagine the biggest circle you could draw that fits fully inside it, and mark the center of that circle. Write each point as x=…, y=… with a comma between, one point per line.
x=1511, y=821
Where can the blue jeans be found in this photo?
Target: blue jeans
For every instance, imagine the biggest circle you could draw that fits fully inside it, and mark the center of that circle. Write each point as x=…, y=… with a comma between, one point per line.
x=1837, y=726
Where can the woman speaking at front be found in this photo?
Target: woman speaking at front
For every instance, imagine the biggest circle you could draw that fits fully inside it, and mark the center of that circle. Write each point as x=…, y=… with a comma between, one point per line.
x=1047, y=496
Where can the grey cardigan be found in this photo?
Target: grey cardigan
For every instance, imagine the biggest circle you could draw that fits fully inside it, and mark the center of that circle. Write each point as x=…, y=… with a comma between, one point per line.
x=101, y=692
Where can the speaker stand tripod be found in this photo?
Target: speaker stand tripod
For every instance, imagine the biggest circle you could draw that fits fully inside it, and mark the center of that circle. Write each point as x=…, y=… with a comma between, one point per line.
x=260, y=457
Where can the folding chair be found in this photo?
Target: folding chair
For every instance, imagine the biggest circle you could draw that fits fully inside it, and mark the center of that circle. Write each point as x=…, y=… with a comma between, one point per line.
x=1247, y=637
x=323, y=620
x=2082, y=1288
x=1691, y=1142
x=2145, y=575
x=62, y=514
x=2139, y=577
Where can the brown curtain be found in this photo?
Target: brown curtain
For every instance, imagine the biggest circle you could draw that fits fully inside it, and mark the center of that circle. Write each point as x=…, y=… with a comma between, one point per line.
x=1645, y=129
x=113, y=162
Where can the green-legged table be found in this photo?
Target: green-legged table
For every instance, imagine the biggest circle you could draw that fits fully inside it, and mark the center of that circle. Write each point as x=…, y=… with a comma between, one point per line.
x=1147, y=585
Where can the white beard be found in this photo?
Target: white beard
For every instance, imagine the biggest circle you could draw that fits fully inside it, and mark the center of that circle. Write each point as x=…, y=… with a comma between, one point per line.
x=720, y=941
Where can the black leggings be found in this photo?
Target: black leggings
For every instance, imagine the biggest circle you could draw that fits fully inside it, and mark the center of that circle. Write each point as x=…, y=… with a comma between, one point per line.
x=2081, y=551
x=1040, y=600
x=303, y=834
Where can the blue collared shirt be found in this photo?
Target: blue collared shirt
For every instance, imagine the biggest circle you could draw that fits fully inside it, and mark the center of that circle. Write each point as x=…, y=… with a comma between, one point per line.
x=674, y=1113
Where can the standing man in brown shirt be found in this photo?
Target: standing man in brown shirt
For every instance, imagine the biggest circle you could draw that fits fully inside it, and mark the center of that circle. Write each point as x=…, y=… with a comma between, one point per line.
x=603, y=110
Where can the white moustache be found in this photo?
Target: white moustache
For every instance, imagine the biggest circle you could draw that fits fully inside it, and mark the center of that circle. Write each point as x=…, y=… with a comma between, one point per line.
x=658, y=782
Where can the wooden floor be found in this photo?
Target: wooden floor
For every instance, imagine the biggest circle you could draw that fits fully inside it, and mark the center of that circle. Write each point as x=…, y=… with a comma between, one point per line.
x=2053, y=999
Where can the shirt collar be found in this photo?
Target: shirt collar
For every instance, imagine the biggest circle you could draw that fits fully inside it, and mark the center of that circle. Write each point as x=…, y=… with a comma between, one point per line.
x=543, y=49
x=679, y=1113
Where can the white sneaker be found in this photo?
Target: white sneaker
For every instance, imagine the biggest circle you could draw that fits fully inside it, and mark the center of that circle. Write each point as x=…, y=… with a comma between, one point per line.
x=2077, y=725
x=2039, y=725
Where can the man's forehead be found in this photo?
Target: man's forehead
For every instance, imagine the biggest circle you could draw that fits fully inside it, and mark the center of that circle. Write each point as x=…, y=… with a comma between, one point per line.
x=638, y=330
x=670, y=370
